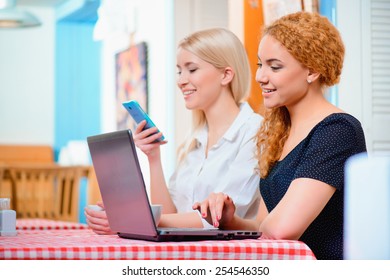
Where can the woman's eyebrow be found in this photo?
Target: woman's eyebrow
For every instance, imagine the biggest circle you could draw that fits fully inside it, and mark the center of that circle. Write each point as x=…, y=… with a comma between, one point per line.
x=270, y=60
x=187, y=64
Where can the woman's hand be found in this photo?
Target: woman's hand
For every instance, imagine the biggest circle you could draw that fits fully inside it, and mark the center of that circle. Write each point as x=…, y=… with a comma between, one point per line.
x=97, y=220
x=218, y=210
x=145, y=140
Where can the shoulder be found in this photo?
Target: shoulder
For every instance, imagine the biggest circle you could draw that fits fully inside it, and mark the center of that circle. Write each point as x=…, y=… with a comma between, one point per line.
x=245, y=126
x=250, y=117
x=339, y=130
x=322, y=155
x=341, y=118
x=341, y=124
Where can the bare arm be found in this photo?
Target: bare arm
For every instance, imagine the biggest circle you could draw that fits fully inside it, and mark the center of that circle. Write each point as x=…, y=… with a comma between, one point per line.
x=144, y=140
x=301, y=204
x=158, y=188
x=219, y=210
x=183, y=220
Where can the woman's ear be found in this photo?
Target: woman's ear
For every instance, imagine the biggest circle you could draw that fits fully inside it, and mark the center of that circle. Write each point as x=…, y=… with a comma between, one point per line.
x=312, y=76
x=228, y=75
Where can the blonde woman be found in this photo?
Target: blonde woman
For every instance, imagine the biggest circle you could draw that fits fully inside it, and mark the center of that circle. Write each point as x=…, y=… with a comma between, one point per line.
x=213, y=75
x=304, y=140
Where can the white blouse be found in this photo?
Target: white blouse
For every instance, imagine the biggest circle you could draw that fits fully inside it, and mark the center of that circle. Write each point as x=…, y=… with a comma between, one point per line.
x=228, y=168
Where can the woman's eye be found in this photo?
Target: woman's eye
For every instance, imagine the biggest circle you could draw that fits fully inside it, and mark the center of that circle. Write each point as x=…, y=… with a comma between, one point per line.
x=276, y=68
x=259, y=64
x=192, y=70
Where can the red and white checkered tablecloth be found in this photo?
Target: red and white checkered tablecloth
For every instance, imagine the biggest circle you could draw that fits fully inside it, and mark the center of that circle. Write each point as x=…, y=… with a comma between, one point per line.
x=44, y=224
x=85, y=244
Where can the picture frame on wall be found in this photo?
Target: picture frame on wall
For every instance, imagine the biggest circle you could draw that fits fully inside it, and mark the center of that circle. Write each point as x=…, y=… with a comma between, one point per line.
x=311, y=6
x=274, y=9
x=131, y=82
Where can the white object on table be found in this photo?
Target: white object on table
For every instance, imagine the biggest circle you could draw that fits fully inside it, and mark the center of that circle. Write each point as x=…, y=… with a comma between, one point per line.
x=7, y=218
x=367, y=208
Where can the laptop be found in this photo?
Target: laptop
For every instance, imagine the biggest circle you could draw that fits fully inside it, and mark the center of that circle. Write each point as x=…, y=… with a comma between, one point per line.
x=125, y=198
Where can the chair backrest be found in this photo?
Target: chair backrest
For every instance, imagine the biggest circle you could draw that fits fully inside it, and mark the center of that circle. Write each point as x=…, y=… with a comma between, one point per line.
x=11, y=154
x=93, y=188
x=26, y=154
x=47, y=191
x=5, y=190
x=40, y=188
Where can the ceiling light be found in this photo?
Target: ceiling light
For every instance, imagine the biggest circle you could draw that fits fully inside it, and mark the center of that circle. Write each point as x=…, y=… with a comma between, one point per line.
x=12, y=17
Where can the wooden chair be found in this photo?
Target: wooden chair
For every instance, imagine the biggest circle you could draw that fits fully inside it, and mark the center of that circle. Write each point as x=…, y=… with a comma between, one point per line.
x=26, y=154
x=40, y=188
x=47, y=191
x=5, y=189
x=20, y=154
x=93, y=193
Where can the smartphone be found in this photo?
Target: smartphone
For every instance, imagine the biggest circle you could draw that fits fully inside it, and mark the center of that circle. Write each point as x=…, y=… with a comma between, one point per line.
x=138, y=114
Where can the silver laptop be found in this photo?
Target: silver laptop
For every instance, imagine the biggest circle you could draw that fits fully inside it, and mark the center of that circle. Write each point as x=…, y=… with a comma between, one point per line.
x=124, y=195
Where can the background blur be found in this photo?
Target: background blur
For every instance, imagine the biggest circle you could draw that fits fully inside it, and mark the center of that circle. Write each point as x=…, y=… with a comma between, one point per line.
x=57, y=81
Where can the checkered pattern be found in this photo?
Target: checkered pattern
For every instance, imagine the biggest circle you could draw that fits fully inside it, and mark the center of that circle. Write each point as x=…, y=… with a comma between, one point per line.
x=42, y=224
x=85, y=244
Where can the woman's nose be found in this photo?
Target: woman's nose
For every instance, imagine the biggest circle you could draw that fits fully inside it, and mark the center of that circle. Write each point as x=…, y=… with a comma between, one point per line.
x=261, y=77
x=181, y=79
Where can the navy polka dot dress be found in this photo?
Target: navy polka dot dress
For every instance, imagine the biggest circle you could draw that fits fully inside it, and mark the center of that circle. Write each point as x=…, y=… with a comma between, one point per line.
x=321, y=156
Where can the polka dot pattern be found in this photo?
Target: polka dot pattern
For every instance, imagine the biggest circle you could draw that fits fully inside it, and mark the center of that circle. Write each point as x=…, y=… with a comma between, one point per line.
x=320, y=156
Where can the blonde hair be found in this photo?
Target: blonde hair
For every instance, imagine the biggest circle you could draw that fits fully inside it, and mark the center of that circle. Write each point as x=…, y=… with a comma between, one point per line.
x=221, y=48
x=316, y=43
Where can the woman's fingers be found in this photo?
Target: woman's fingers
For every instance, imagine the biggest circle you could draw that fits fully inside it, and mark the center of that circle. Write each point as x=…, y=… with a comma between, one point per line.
x=217, y=209
x=140, y=126
x=100, y=203
x=211, y=208
x=202, y=207
x=196, y=206
x=145, y=136
x=205, y=211
x=97, y=221
x=146, y=140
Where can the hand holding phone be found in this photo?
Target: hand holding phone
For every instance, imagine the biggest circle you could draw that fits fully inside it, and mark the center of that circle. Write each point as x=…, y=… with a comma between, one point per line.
x=138, y=114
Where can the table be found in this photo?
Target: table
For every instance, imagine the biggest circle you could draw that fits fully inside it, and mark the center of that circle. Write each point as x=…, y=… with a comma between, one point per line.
x=83, y=244
x=45, y=224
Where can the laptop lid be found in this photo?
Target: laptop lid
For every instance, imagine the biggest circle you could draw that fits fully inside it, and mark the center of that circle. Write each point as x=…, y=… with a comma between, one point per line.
x=124, y=195
x=121, y=183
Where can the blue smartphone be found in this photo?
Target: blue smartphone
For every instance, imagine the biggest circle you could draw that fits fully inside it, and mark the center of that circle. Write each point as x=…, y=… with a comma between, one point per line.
x=138, y=114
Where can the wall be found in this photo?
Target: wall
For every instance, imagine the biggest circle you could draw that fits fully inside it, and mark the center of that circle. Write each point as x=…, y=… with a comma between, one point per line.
x=350, y=93
x=27, y=82
x=27, y=69
x=152, y=23
x=253, y=22
x=192, y=15
x=364, y=90
x=77, y=87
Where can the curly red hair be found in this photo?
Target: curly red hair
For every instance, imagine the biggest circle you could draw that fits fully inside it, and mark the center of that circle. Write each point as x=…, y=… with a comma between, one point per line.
x=316, y=43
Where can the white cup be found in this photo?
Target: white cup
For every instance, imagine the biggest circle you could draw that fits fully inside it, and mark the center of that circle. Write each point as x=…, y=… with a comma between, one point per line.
x=157, y=211
x=95, y=207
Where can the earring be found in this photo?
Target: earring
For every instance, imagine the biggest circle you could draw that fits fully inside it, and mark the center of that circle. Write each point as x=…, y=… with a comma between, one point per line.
x=309, y=81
